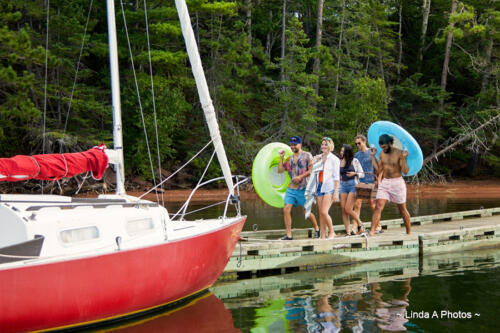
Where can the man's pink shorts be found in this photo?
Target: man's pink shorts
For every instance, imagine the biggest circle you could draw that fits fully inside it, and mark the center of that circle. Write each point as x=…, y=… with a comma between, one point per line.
x=392, y=189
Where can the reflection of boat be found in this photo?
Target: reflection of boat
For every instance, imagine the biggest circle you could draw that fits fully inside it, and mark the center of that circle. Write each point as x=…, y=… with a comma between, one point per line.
x=68, y=261
x=204, y=314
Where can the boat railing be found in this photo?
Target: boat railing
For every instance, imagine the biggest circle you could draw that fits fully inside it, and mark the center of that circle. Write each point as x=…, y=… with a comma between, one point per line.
x=94, y=205
x=231, y=198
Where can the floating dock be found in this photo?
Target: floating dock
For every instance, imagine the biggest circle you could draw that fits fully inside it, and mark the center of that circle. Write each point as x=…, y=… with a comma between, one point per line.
x=259, y=253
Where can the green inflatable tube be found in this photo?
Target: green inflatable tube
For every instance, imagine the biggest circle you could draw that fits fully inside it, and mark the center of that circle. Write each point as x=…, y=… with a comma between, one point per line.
x=268, y=183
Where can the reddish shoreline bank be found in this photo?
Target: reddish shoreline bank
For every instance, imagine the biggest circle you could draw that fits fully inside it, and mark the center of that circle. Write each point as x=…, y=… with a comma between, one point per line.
x=460, y=189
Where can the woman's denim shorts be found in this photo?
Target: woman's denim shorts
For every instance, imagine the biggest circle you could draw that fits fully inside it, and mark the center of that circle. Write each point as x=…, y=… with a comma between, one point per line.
x=348, y=186
x=319, y=193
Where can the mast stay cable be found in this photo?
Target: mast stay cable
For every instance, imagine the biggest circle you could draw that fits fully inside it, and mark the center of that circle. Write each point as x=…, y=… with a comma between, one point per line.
x=139, y=101
x=154, y=103
x=77, y=67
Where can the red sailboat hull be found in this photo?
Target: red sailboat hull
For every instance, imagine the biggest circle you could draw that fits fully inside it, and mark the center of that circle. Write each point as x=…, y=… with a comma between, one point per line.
x=92, y=289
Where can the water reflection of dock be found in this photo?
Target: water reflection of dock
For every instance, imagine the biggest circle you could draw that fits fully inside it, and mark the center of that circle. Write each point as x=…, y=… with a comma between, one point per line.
x=351, y=278
x=260, y=254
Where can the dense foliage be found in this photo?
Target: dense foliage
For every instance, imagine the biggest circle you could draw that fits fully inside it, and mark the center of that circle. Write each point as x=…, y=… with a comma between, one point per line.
x=431, y=66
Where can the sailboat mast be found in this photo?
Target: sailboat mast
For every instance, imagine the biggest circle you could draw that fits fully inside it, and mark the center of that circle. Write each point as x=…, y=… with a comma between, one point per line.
x=203, y=92
x=115, y=94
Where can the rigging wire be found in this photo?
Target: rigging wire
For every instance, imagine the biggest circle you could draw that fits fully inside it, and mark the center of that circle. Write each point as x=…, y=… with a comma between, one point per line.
x=77, y=67
x=139, y=101
x=46, y=76
x=176, y=171
x=154, y=103
x=184, y=207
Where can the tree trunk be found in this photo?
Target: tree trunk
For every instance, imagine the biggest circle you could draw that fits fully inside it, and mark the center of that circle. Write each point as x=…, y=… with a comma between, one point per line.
x=400, y=39
x=319, y=24
x=444, y=76
x=487, y=67
x=282, y=74
x=283, y=39
x=197, y=29
x=268, y=36
x=435, y=155
x=339, y=54
x=380, y=56
x=426, y=7
x=249, y=22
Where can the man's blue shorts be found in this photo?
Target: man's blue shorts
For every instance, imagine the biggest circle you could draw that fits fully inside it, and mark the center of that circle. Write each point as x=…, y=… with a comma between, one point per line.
x=295, y=197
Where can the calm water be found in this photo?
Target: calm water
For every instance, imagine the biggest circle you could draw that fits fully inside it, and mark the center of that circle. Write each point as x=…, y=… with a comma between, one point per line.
x=264, y=217
x=375, y=297
x=383, y=296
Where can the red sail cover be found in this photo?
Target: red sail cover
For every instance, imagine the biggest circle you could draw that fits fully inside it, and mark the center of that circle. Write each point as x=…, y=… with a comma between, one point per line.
x=54, y=166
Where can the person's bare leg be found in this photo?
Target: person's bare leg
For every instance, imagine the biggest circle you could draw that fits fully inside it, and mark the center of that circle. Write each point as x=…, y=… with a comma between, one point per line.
x=312, y=218
x=327, y=203
x=406, y=217
x=287, y=215
x=325, y=219
x=345, y=216
x=322, y=224
x=373, y=204
x=351, y=198
x=376, y=215
x=357, y=207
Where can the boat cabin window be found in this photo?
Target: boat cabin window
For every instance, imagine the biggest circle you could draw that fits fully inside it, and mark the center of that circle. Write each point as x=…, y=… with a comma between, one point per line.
x=139, y=226
x=79, y=234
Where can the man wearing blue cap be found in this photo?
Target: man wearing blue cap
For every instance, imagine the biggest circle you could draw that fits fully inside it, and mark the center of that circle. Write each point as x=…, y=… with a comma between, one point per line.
x=299, y=168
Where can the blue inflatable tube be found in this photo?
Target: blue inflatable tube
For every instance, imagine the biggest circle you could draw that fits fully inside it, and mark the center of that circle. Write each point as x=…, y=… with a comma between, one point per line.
x=268, y=183
x=402, y=140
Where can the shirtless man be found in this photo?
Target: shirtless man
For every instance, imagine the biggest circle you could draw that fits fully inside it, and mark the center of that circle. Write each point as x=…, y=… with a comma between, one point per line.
x=392, y=187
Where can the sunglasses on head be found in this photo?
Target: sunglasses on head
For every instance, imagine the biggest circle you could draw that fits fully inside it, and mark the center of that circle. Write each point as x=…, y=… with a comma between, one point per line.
x=327, y=138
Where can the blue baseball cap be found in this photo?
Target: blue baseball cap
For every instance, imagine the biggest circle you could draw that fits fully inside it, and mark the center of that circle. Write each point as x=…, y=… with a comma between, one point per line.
x=295, y=140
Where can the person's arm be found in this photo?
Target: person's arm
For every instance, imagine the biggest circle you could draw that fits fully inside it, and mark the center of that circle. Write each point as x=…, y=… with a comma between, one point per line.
x=308, y=172
x=336, y=190
x=336, y=179
x=358, y=168
x=380, y=173
x=281, y=166
x=373, y=152
x=402, y=162
x=298, y=179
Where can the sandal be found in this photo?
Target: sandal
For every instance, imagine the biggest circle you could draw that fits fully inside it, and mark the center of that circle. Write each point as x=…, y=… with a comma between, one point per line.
x=361, y=230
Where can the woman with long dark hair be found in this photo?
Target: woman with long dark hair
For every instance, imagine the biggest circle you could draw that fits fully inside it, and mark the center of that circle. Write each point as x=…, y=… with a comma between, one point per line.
x=350, y=171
